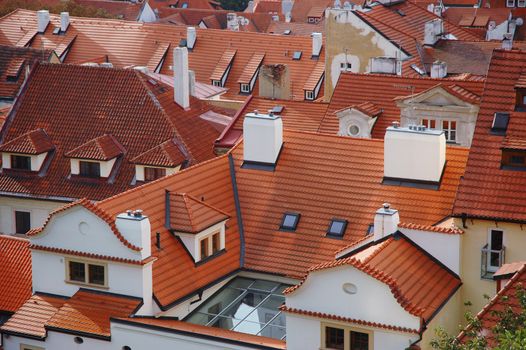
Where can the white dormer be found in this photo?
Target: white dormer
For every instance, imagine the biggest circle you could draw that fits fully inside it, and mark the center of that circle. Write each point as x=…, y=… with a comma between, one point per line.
x=160, y=161
x=27, y=152
x=199, y=226
x=358, y=120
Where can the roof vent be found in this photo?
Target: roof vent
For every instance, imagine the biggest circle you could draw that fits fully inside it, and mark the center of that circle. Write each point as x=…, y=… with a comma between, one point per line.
x=287, y=32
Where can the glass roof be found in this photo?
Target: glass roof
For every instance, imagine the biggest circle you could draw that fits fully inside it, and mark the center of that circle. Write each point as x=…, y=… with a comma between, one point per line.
x=245, y=305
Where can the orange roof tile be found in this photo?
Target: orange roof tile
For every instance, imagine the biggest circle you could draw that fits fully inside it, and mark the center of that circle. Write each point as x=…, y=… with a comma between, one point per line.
x=190, y=215
x=32, y=317
x=157, y=58
x=300, y=9
x=89, y=312
x=167, y=154
x=15, y=279
x=439, y=229
x=224, y=62
x=420, y=284
x=487, y=190
x=190, y=328
x=316, y=76
x=508, y=270
x=104, y=147
x=251, y=68
x=33, y=142
x=316, y=12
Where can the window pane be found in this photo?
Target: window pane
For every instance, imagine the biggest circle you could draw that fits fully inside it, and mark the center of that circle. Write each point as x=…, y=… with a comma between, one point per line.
x=22, y=221
x=249, y=327
x=89, y=169
x=96, y=274
x=151, y=174
x=243, y=307
x=496, y=240
x=77, y=271
x=334, y=338
x=20, y=162
x=204, y=248
x=216, y=243
x=359, y=341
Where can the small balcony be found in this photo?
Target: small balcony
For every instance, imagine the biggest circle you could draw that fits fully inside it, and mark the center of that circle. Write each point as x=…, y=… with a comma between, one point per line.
x=490, y=261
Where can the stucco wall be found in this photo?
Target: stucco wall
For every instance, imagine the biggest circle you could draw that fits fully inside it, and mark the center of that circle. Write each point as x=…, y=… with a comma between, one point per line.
x=58, y=341
x=39, y=211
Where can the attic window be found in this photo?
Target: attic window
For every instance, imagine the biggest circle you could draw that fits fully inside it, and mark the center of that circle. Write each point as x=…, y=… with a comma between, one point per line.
x=56, y=31
x=296, y=55
x=370, y=230
x=89, y=169
x=513, y=160
x=400, y=12
x=19, y=162
x=290, y=221
x=182, y=42
x=520, y=103
x=500, y=123
x=337, y=228
x=277, y=109
x=245, y=88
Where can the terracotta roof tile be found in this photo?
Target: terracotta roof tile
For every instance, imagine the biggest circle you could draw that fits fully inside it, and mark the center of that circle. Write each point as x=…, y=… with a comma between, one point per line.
x=104, y=147
x=33, y=142
x=251, y=68
x=15, y=279
x=222, y=65
x=316, y=76
x=157, y=58
x=190, y=215
x=300, y=9
x=78, y=313
x=439, y=229
x=316, y=12
x=514, y=143
x=167, y=154
x=32, y=317
x=508, y=270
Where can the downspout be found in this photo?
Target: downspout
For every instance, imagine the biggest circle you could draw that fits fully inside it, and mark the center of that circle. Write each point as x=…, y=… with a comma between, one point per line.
x=238, y=211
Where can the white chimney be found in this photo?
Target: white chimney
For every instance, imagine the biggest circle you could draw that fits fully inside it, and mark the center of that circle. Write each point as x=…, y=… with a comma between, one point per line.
x=385, y=65
x=414, y=154
x=286, y=6
x=433, y=30
x=181, y=77
x=135, y=227
x=231, y=22
x=191, y=82
x=42, y=20
x=507, y=41
x=262, y=138
x=191, y=37
x=386, y=222
x=64, y=21
x=317, y=42
x=438, y=69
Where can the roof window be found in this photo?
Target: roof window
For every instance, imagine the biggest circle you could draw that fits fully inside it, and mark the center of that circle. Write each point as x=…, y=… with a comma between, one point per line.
x=56, y=31
x=337, y=228
x=296, y=55
x=287, y=32
x=290, y=221
x=277, y=109
x=370, y=230
x=500, y=123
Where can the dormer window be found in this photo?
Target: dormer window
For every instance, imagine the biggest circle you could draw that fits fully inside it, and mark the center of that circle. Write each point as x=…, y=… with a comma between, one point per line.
x=158, y=162
x=151, y=174
x=89, y=169
x=248, y=77
x=27, y=152
x=500, y=123
x=520, y=100
x=290, y=221
x=245, y=88
x=309, y=95
x=19, y=162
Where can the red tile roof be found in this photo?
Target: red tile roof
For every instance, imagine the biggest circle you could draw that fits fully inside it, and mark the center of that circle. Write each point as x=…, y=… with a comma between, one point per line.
x=296, y=28
x=104, y=147
x=15, y=279
x=453, y=230
x=132, y=43
x=508, y=270
x=32, y=317
x=167, y=154
x=89, y=312
x=222, y=65
x=190, y=215
x=487, y=190
x=419, y=284
x=300, y=9
x=33, y=142
x=354, y=89
x=139, y=114
x=251, y=68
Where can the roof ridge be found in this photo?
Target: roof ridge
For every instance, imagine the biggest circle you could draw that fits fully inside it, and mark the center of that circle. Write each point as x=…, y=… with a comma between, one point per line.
x=440, y=229
x=189, y=209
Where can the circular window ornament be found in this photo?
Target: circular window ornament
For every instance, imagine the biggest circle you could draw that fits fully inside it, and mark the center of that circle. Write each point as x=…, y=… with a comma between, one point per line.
x=354, y=130
x=78, y=340
x=84, y=228
x=349, y=288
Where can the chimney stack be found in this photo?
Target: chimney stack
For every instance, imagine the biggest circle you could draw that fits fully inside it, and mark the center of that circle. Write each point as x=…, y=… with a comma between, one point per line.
x=414, y=154
x=42, y=20
x=438, y=69
x=135, y=227
x=385, y=65
x=181, y=77
x=191, y=37
x=317, y=42
x=507, y=41
x=64, y=21
x=262, y=138
x=433, y=30
x=386, y=221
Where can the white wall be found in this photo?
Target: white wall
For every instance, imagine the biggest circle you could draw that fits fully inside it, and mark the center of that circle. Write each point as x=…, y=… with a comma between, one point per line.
x=36, y=160
x=191, y=241
x=139, y=171
x=38, y=209
x=58, y=341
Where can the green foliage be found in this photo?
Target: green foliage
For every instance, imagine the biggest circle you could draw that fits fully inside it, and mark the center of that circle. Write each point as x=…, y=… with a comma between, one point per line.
x=509, y=332
x=234, y=5
x=74, y=9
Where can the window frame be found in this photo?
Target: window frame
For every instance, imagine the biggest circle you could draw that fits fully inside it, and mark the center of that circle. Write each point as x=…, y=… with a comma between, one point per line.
x=244, y=88
x=346, y=333
x=209, y=244
x=292, y=228
x=15, y=211
x=508, y=155
x=92, y=164
x=19, y=157
x=344, y=228
x=489, y=267
x=86, y=263
x=510, y=3
x=438, y=124
x=309, y=95
x=521, y=3
x=155, y=170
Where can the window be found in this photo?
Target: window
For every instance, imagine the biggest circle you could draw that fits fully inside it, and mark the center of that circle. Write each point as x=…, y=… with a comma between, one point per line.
x=245, y=88
x=216, y=243
x=345, y=66
x=429, y=123
x=210, y=245
x=520, y=98
x=20, y=162
x=205, y=252
x=450, y=130
x=513, y=159
x=492, y=253
x=359, y=341
x=521, y=3
x=89, y=169
x=337, y=228
x=151, y=174
x=510, y=3
x=216, y=83
x=86, y=273
x=296, y=55
x=336, y=337
x=500, y=123
x=354, y=130
x=22, y=221
x=290, y=221
x=309, y=95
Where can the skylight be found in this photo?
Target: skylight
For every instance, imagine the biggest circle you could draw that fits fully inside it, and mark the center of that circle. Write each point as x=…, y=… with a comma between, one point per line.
x=287, y=32
x=337, y=228
x=500, y=123
x=296, y=55
x=290, y=221
x=277, y=109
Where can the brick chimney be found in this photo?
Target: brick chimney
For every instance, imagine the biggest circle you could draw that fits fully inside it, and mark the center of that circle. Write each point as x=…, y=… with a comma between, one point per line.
x=181, y=77
x=262, y=138
x=42, y=20
x=386, y=221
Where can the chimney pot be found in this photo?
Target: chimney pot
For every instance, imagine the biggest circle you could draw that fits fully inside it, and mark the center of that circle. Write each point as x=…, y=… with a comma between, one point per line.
x=386, y=221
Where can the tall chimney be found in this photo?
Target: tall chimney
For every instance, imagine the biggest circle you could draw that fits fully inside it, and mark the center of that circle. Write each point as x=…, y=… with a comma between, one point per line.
x=438, y=69
x=191, y=37
x=64, y=21
x=386, y=222
x=135, y=227
x=433, y=30
x=317, y=42
x=262, y=138
x=414, y=154
x=181, y=77
x=42, y=20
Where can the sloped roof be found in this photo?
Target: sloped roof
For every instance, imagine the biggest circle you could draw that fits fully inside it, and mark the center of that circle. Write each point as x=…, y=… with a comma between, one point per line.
x=167, y=154
x=33, y=142
x=487, y=191
x=97, y=101
x=15, y=279
x=419, y=284
x=104, y=147
x=354, y=89
x=133, y=43
x=190, y=215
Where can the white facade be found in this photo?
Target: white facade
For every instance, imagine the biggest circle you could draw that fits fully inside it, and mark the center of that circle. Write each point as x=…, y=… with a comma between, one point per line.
x=181, y=77
x=38, y=210
x=355, y=123
x=105, y=166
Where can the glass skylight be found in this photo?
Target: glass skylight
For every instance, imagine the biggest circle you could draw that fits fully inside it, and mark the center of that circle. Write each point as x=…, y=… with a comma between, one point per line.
x=245, y=305
x=290, y=221
x=337, y=227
